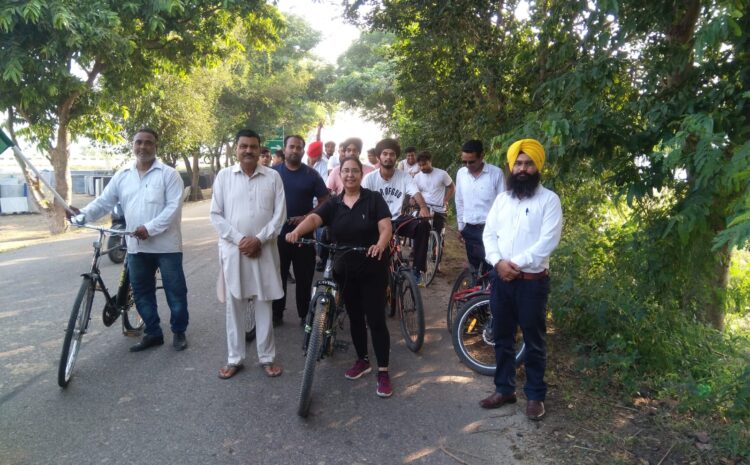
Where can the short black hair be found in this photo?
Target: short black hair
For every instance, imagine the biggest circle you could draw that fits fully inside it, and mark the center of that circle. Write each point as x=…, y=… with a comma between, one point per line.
x=246, y=133
x=290, y=136
x=473, y=146
x=265, y=150
x=279, y=153
x=354, y=159
x=148, y=130
x=424, y=155
x=388, y=144
x=409, y=149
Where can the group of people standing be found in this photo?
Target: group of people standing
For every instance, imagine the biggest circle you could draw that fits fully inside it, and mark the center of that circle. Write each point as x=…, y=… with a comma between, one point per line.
x=260, y=209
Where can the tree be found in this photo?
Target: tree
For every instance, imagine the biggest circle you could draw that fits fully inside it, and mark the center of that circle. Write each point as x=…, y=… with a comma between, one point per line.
x=62, y=58
x=649, y=96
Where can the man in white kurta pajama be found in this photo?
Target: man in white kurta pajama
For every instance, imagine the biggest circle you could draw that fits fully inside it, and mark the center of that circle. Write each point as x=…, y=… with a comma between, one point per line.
x=248, y=209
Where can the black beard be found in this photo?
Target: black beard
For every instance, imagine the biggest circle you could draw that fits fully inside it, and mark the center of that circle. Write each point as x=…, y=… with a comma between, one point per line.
x=523, y=188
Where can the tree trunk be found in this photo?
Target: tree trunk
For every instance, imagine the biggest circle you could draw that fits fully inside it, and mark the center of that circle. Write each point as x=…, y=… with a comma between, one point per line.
x=59, y=160
x=195, y=188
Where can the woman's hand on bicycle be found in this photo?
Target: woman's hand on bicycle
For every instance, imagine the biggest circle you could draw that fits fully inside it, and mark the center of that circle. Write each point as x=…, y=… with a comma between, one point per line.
x=292, y=237
x=375, y=251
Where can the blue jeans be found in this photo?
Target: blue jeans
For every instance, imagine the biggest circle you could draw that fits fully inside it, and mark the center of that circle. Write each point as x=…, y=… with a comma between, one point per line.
x=520, y=303
x=142, y=271
x=472, y=234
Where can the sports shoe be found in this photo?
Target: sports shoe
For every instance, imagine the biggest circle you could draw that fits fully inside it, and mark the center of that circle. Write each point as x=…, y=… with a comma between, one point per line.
x=384, y=385
x=359, y=369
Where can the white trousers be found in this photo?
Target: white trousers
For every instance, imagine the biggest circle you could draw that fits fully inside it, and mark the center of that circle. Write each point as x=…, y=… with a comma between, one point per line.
x=238, y=313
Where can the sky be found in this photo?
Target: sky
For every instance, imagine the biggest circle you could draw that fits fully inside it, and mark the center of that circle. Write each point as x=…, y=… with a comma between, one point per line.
x=325, y=16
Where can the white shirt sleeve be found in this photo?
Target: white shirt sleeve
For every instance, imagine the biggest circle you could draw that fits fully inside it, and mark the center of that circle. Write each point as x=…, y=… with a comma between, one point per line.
x=459, y=204
x=216, y=214
x=105, y=202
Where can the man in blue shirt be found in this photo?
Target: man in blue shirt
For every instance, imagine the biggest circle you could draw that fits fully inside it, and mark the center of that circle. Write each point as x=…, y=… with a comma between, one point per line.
x=301, y=185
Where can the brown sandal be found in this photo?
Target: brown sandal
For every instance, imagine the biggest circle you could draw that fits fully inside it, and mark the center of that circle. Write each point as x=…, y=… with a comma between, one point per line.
x=229, y=370
x=271, y=370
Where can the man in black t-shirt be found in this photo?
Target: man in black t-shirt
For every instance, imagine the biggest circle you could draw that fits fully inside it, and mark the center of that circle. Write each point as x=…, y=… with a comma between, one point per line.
x=301, y=185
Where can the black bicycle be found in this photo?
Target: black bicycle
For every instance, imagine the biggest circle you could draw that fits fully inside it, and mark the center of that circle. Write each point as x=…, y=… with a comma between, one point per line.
x=403, y=295
x=115, y=305
x=326, y=314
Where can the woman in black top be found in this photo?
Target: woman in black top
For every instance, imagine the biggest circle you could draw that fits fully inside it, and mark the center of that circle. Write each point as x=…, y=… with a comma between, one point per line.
x=359, y=217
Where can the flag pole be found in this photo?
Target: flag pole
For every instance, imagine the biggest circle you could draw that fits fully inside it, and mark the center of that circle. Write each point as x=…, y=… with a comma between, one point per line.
x=19, y=154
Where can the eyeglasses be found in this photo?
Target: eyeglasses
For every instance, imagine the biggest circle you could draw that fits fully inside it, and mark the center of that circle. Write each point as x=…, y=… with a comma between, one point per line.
x=351, y=171
x=469, y=162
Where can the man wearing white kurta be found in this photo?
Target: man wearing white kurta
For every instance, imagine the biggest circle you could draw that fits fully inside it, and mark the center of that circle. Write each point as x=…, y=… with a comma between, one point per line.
x=248, y=209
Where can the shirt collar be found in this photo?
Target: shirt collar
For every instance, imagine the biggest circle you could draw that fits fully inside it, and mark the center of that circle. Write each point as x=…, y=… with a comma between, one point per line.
x=259, y=169
x=157, y=165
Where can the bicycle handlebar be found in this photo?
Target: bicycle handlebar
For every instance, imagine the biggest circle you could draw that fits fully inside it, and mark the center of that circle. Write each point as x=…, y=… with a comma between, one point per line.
x=333, y=247
x=113, y=232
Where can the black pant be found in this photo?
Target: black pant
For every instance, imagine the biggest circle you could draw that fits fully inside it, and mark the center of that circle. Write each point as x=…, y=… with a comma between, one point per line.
x=302, y=258
x=472, y=234
x=419, y=231
x=363, y=290
x=520, y=303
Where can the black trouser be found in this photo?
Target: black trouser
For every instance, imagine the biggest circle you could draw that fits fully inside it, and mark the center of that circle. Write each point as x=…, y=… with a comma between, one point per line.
x=520, y=303
x=364, y=296
x=419, y=231
x=472, y=234
x=302, y=258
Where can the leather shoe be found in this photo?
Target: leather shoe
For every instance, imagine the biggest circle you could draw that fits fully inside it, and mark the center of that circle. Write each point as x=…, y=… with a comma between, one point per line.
x=148, y=342
x=179, y=342
x=497, y=400
x=535, y=409
x=250, y=335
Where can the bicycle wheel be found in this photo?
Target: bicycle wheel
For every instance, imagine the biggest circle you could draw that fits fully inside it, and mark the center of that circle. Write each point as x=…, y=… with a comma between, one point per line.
x=314, y=348
x=132, y=323
x=77, y=324
x=433, y=257
x=473, y=338
x=411, y=311
x=464, y=281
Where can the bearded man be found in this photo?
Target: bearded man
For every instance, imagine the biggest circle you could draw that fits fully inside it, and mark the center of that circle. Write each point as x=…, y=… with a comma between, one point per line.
x=523, y=228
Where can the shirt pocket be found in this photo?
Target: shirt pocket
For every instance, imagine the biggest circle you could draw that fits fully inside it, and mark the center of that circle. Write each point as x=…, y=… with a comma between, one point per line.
x=531, y=221
x=154, y=194
x=265, y=198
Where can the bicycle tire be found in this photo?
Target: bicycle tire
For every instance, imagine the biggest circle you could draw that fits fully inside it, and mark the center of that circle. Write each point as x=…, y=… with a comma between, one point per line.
x=470, y=341
x=132, y=323
x=79, y=319
x=465, y=280
x=411, y=311
x=433, y=257
x=314, y=348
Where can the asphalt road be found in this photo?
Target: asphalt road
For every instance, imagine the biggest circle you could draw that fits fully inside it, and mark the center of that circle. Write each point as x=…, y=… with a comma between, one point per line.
x=166, y=407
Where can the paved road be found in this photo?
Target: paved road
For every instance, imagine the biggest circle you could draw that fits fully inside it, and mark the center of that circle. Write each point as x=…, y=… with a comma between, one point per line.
x=165, y=407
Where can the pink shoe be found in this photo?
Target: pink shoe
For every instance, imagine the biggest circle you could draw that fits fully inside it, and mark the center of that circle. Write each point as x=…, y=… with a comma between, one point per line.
x=384, y=384
x=359, y=369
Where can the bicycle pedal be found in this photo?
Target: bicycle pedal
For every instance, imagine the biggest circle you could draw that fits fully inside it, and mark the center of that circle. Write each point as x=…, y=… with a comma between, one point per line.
x=110, y=315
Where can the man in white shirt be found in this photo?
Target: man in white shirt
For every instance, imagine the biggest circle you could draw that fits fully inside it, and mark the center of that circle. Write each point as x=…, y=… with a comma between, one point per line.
x=409, y=164
x=248, y=209
x=394, y=185
x=523, y=229
x=436, y=186
x=150, y=193
x=477, y=185
x=335, y=160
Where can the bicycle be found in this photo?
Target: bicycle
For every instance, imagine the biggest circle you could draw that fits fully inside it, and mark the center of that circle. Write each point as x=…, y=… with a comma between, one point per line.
x=404, y=296
x=115, y=305
x=468, y=282
x=326, y=313
x=473, y=336
x=435, y=245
